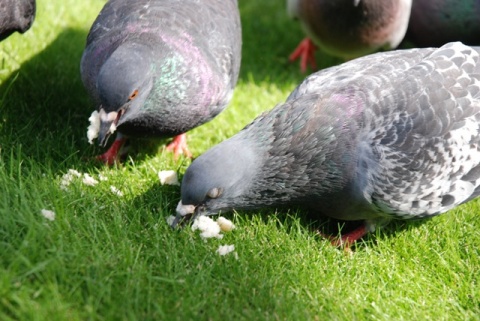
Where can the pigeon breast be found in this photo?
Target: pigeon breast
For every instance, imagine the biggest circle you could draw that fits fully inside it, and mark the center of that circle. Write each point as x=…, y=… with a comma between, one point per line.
x=352, y=28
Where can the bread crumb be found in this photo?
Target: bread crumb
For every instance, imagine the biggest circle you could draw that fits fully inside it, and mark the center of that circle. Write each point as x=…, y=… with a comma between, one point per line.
x=208, y=227
x=168, y=177
x=116, y=191
x=225, y=224
x=225, y=249
x=89, y=180
x=49, y=215
x=102, y=178
x=74, y=172
x=94, y=127
x=68, y=177
x=170, y=220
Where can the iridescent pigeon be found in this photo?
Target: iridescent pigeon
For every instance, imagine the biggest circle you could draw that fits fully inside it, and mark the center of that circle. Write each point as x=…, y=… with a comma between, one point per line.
x=16, y=15
x=348, y=28
x=393, y=135
x=160, y=68
x=436, y=22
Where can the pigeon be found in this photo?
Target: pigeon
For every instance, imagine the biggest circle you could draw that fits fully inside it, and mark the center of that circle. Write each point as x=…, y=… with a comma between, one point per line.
x=437, y=22
x=392, y=135
x=160, y=68
x=16, y=15
x=348, y=28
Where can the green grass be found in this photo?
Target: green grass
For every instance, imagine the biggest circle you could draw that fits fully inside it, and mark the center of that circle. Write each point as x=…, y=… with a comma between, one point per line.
x=114, y=258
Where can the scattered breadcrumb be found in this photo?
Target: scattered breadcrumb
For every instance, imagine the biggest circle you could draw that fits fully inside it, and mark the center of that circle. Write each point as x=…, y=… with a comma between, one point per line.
x=225, y=249
x=89, y=180
x=116, y=191
x=74, y=172
x=170, y=220
x=168, y=177
x=94, y=127
x=68, y=177
x=208, y=227
x=102, y=178
x=49, y=215
x=225, y=224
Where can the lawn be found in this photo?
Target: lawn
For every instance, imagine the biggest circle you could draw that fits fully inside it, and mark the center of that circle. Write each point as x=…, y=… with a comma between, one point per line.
x=111, y=257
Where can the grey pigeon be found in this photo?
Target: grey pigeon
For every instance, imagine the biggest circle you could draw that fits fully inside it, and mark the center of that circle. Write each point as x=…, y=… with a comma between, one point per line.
x=16, y=15
x=436, y=22
x=160, y=68
x=393, y=135
x=348, y=28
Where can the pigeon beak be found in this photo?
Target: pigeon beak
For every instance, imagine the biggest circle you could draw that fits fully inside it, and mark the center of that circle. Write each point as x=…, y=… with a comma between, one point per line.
x=108, y=125
x=182, y=212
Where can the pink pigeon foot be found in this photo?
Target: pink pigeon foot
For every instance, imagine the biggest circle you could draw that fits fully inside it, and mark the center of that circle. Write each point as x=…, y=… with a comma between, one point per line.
x=179, y=146
x=112, y=154
x=306, y=52
x=346, y=240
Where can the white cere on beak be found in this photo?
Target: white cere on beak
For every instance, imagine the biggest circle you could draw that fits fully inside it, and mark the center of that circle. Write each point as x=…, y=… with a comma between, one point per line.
x=185, y=209
x=94, y=127
x=110, y=117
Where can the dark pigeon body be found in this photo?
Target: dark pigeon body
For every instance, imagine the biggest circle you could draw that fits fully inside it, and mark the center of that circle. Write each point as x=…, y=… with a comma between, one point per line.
x=352, y=28
x=164, y=66
x=436, y=22
x=392, y=135
x=16, y=15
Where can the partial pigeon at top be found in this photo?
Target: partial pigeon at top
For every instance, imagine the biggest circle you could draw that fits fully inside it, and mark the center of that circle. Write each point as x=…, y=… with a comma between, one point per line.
x=16, y=15
x=160, y=68
x=393, y=135
x=349, y=28
x=436, y=22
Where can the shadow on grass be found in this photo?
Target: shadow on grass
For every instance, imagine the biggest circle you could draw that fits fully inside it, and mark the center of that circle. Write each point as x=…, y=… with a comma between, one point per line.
x=322, y=227
x=269, y=36
x=44, y=106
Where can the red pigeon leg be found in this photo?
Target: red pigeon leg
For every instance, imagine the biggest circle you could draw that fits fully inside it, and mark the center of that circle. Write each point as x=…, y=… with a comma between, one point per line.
x=112, y=154
x=306, y=52
x=346, y=240
x=179, y=146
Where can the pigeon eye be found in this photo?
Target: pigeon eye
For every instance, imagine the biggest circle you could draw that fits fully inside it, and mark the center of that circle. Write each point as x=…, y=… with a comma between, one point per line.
x=214, y=192
x=133, y=95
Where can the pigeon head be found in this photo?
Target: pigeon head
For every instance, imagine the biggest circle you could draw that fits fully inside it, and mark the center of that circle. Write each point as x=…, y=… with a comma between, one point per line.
x=124, y=82
x=216, y=179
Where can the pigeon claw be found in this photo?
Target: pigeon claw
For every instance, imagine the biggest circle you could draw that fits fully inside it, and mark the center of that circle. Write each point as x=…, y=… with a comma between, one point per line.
x=111, y=156
x=179, y=146
x=305, y=51
x=348, y=239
